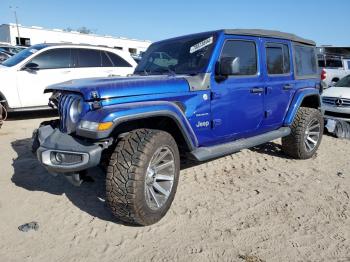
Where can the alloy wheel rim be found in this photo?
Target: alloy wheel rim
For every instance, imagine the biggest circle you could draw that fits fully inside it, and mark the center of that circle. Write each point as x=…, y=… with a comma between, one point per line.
x=312, y=135
x=159, y=178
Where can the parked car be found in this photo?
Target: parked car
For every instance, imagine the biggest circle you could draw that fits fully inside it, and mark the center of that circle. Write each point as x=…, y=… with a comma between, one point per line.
x=336, y=100
x=4, y=56
x=11, y=49
x=221, y=91
x=333, y=69
x=24, y=76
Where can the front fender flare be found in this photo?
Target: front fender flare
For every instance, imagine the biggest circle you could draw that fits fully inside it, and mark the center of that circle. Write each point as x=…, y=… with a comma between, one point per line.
x=121, y=113
x=298, y=98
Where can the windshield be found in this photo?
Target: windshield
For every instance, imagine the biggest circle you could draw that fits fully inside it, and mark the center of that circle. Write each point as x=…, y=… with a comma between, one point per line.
x=344, y=82
x=19, y=57
x=188, y=55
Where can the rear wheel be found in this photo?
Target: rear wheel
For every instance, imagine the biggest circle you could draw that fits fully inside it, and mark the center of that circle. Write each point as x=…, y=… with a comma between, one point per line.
x=142, y=176
x=306, y=135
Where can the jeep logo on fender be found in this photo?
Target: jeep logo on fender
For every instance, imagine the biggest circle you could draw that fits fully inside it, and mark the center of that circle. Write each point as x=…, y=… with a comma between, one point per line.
x=202, y=124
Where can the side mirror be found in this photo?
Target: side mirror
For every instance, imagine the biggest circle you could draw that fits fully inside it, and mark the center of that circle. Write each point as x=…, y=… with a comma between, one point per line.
x=31, y=67
x=228, y=66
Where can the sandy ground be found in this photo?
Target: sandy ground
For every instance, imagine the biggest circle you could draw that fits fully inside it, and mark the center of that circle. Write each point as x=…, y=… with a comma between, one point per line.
x=256, y=205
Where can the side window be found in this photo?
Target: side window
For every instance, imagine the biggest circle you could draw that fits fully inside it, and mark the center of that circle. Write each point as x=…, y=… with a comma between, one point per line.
x=277, y=59
x=117, y=60
x=89, y=58
x=54, y=58
x=348, y=64
x=244, y=52
x=106, y=62
x=334, y=63
x=305, y=60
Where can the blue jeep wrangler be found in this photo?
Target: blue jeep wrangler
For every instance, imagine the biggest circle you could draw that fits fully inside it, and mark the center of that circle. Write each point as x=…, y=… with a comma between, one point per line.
x=200, y=96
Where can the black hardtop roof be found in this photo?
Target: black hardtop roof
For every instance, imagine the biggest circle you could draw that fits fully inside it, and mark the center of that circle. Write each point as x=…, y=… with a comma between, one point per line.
x=270, y=34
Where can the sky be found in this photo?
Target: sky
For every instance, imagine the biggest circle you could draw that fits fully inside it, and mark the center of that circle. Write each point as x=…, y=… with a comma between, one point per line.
x=325, y=22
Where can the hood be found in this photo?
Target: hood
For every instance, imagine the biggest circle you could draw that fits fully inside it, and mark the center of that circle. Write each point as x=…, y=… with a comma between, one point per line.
x=337, y=92
x=111, y=87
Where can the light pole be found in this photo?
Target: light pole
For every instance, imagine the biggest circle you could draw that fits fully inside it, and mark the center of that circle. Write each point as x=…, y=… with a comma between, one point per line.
x=14, y=10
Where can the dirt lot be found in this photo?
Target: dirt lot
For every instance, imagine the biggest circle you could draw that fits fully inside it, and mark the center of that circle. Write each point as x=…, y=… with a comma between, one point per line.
x=256, y=205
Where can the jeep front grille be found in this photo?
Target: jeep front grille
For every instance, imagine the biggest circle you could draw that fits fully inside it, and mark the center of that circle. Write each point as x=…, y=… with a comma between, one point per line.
x=336, y=101
x=64, y=104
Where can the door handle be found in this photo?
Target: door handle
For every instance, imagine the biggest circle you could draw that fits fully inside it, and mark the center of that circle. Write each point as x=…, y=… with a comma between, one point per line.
x=257, y=90
x=287, y=87
x=66, y=72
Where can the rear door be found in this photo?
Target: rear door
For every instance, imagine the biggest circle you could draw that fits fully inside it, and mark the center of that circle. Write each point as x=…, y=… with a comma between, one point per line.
x=88, y=63
x=279, y=82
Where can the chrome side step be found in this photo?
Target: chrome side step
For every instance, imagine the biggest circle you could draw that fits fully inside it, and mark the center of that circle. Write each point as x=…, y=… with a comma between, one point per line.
x=206, y=153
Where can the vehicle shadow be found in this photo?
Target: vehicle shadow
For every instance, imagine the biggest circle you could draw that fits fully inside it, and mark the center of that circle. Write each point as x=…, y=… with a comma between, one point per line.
x=89, y=197
x=271, y=149
x=30, y=175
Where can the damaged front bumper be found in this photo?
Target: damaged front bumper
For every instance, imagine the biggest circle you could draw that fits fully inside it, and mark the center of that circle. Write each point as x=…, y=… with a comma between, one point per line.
x=61, y=153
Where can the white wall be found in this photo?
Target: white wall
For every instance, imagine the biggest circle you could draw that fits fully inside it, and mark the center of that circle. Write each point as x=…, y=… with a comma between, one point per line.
x=39, y=35
x=4, y=34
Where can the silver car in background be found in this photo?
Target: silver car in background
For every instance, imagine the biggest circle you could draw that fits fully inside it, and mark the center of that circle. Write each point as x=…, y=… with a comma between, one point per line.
x=336, y=100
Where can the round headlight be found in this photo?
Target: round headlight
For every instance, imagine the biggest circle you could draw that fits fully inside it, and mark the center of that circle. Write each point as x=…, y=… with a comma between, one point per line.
x=75, y=110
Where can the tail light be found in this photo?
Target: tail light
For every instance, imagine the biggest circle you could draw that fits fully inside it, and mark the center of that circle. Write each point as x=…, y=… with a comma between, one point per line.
x=323, y=74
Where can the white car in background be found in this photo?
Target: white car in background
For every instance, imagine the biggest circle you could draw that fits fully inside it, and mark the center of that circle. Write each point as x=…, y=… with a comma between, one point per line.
x=24, y=76
x=336, y=100
x=333, y=70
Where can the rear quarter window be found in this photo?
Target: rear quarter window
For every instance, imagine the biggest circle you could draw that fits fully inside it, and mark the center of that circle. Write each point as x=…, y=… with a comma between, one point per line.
x=305, y=61
x=117, y=60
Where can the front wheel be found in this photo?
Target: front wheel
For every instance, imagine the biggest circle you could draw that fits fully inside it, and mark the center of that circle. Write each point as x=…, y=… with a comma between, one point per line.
x=306, y=135
x=142, y=176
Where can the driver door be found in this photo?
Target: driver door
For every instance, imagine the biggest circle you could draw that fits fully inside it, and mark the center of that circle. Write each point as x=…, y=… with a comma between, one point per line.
x=238, y=99
x=49, y=67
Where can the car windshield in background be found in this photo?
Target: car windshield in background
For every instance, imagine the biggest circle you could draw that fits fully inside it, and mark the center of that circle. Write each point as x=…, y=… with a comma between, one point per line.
x=189, y=55
x=19, y=57
x=344, y=82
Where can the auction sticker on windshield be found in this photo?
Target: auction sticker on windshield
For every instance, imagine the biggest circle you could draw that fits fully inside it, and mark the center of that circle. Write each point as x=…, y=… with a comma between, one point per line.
x=201, y=45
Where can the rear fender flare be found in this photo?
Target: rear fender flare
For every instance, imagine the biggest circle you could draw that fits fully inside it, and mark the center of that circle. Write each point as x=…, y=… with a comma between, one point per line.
x=297, y=102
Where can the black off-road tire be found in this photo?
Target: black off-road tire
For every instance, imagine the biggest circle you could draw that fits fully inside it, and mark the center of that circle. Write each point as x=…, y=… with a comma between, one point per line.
x=293, y=145
x=126, y=174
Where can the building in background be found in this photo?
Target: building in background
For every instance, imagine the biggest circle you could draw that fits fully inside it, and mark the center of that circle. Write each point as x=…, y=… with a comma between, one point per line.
x=333, y=56
x=31, y=35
